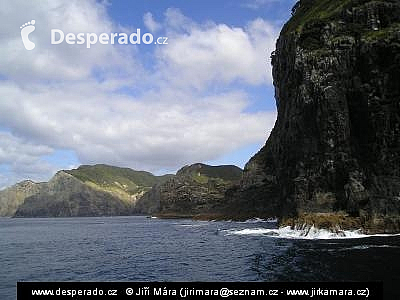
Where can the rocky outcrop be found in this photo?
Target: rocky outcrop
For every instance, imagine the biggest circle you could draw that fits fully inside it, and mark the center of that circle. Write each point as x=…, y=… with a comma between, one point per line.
x=98, y=190
x=335, y=146
x=12, y=197
x=102, y=190
x=195, y=190
x=66, y=196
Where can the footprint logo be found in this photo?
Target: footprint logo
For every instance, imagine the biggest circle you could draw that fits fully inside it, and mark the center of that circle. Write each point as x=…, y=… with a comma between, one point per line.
x=26, y=29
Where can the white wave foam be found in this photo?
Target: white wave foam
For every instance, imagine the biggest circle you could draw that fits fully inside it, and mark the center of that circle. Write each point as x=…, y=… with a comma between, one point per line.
x=310, y=233
x=364, y=247
x=259, y=220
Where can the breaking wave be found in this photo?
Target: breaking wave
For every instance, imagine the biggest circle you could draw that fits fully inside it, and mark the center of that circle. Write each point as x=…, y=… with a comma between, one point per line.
x=310, y=233
x=258, y=220
x=365, y=247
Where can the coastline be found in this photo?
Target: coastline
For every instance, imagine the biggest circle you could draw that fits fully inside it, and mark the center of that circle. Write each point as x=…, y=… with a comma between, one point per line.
x=336, y=222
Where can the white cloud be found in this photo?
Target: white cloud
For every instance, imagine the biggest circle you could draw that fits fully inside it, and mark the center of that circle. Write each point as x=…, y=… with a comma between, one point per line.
x=176, y=21
x=257, y=4
x=150, y=23
x=21, y=159
x=57, y=62
x=159, y=129
x=217, y=53
x=16, y=149
x=52, y=98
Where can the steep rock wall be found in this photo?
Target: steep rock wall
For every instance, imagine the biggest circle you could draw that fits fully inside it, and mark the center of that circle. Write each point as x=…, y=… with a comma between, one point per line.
x=336, y=142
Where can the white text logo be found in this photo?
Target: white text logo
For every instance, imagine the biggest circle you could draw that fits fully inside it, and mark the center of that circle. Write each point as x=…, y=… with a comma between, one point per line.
x=58, y=37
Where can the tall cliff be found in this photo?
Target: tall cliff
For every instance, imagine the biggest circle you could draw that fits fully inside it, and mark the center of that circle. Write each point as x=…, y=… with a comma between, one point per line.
x=12, y=197
x=66, y=196
x=197, y=189
x=335, y=146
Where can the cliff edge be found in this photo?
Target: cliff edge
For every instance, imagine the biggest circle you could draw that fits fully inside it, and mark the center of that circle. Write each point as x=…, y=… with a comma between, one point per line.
x=196, y=191
x=334, y=152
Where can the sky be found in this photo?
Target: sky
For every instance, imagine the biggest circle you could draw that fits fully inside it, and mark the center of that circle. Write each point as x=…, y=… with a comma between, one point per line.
x=206, y=95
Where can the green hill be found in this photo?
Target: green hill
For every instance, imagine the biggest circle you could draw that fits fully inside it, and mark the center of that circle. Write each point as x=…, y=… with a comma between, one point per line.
x=98, y=190
x=115, y=179
x=202, y=173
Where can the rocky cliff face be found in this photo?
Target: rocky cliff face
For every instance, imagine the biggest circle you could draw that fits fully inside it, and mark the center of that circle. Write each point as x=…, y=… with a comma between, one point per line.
x=196, y=189
x=335, y=146
x=66, y=196
x=98, y=190
x=11, y=198
x=102, y=190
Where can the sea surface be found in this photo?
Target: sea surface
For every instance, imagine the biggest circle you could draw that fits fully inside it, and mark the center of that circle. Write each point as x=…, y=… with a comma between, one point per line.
x=147, y=249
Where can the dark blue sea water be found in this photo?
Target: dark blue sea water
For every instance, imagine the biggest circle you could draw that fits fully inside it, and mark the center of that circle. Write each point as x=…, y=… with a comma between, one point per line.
x=144, y=249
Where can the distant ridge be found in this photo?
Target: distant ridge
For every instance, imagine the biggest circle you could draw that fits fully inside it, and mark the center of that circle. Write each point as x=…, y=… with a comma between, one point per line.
x=98, y=190
x=104, y=190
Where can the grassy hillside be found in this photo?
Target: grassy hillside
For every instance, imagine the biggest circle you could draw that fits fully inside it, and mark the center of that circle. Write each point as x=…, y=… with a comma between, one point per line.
x=309, y=12
x=202, y=172
x=98, y=190
x=115, y=179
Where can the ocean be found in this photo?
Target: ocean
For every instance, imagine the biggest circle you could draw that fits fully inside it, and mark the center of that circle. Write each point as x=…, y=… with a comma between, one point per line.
x=138, y=248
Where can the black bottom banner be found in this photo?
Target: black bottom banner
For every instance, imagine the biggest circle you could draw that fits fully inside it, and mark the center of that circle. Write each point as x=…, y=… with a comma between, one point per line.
x=198, y=290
